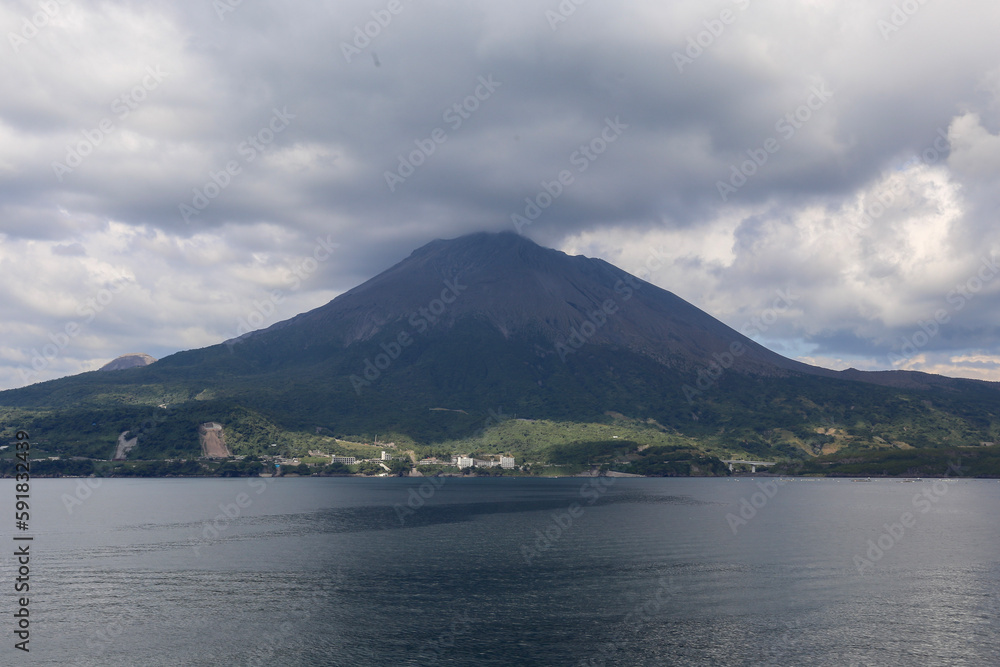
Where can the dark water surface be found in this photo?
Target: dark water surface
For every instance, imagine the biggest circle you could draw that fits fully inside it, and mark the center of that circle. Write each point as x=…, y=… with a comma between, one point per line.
x=509, y=572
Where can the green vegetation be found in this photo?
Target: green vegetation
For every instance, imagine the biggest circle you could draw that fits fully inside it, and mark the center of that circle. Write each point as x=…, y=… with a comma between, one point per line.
x=969, y=462
x=87, y=468
x=674, y=462
x=472, y=392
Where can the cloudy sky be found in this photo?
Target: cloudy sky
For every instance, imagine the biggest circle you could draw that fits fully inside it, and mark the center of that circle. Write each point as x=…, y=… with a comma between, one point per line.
x=171, y=172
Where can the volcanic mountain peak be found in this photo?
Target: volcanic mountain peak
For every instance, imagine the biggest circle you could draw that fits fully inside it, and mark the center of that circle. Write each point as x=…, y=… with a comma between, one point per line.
x=493, y=320
x=556, y=302
x=531, y=294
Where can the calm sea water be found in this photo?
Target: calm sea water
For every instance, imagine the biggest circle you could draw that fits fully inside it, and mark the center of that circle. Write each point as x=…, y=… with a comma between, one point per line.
x=509, y=572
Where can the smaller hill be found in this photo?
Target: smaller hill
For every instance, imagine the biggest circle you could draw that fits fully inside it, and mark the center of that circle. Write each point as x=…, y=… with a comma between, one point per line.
x=132, y=360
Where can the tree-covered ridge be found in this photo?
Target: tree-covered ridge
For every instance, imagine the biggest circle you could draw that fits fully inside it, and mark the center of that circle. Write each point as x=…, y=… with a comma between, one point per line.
x=518, y=360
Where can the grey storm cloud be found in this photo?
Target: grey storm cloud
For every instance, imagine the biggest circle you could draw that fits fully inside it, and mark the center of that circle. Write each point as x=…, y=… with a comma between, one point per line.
x=195, y=154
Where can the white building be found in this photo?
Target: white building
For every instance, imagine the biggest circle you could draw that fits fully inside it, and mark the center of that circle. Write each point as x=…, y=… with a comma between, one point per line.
x=507, y=462
x=464, y=462
x=386, y=456
x=346, y=460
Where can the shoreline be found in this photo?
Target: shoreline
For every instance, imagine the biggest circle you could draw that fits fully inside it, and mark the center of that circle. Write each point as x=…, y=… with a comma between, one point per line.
x=737, y=477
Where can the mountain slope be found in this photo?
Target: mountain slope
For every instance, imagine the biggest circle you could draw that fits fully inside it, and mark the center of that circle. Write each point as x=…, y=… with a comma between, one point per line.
x=492, y=322
x=524, y=291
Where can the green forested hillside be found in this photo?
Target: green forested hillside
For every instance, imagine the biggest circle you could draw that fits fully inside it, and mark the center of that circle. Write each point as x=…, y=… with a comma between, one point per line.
x=536, y=353
x=462, y=392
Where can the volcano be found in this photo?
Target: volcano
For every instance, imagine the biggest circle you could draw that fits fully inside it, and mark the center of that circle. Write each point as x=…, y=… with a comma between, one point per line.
x=484, y=322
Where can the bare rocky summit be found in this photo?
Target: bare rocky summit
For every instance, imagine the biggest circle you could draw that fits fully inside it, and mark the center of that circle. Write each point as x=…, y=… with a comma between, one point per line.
x=131, y=360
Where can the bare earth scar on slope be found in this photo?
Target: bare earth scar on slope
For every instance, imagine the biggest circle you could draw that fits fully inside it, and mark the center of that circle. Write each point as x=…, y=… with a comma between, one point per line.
x=124, y=446
x=213, y=441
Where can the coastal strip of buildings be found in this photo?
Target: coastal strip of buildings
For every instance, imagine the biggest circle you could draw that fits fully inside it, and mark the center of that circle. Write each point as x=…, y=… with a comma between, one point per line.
x=459, y=461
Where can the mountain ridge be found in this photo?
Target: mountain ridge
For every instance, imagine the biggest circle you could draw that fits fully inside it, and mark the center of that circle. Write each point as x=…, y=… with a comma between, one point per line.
x=377, y=303
x=490, y=321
